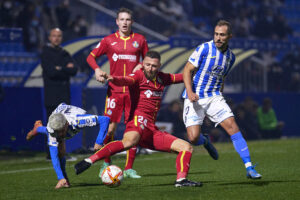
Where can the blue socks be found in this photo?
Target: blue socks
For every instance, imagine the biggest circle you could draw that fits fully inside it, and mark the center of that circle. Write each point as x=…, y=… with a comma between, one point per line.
x=241, y=147
x=201, y=140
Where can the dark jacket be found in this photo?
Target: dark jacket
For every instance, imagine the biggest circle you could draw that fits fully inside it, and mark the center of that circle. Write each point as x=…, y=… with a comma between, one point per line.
x=56, y=82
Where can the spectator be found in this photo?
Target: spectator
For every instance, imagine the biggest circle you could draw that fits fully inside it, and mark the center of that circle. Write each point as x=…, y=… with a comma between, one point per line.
x=268, y=124
x=58, y=66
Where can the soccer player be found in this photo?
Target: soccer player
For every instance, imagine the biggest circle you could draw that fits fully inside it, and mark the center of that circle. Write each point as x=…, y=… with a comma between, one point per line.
x=203, y=77
x=65, y=122
x=124, y=50
x=146, y=90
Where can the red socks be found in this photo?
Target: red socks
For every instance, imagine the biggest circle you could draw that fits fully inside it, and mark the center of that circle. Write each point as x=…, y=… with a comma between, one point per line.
x=130, y=158
x=108, y=150
x=183, y=163
x=107, y=140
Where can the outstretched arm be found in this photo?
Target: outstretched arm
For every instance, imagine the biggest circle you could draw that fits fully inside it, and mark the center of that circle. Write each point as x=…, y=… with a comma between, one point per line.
x=121, y=80
x=187, y=79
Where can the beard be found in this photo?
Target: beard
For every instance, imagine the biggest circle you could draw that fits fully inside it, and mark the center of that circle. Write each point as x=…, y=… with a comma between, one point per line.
x=149, y=76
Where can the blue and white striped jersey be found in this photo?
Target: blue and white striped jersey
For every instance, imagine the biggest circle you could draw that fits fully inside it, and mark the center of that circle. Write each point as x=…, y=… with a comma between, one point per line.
x=212, y=67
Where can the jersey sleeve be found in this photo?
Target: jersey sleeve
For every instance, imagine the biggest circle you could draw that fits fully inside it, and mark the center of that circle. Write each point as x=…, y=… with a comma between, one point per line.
x=126, y=80
x=169, y=79
x=197, y=55
x=100, y=49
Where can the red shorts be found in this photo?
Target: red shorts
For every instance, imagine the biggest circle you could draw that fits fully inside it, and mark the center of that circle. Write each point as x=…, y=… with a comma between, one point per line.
x=151, y=136
x=115, y=104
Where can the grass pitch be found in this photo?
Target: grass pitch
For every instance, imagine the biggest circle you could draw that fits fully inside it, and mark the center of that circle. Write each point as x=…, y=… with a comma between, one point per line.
x=31, y=177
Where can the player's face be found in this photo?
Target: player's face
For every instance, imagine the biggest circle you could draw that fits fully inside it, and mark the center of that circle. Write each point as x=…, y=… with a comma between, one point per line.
x=55, y=37
x=124, y=22
x=151, y=67
x=221, y=37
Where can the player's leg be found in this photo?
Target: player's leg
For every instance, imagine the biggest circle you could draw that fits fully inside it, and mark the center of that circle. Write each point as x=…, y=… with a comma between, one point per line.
x=220, y=113
x=109, y=137
x=163, y=141
x=193, y=115
x=130, y=139
x=240, y=146
x=131, y=153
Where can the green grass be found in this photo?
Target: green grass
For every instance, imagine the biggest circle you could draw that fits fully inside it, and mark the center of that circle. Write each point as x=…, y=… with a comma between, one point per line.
x=32, y=177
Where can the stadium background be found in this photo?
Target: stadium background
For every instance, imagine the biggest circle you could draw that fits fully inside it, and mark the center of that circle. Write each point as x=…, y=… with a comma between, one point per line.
x=266, y=42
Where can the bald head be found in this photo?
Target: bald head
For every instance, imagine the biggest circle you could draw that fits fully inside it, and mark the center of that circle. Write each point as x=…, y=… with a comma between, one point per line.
x=55, y=37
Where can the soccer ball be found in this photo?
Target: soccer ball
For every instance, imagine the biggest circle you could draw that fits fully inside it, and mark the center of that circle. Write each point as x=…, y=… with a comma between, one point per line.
x=112, y=176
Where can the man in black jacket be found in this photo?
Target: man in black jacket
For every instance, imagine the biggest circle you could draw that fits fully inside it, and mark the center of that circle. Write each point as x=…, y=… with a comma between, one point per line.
x=58, y=66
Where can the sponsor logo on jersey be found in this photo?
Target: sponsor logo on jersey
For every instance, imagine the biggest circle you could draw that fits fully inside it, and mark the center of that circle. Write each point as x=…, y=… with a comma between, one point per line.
x=131, y=58
x=135, y=44
x=148, y=93
x=112, y=44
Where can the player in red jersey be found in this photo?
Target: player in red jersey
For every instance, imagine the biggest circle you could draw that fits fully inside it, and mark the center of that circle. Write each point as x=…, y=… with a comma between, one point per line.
x=124, y=50
x=146, y=90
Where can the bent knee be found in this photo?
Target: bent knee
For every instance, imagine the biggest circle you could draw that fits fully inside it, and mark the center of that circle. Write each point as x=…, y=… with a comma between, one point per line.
x=187, y=147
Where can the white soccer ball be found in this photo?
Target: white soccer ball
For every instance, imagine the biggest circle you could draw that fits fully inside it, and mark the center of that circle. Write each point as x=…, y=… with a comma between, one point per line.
x=112, y=176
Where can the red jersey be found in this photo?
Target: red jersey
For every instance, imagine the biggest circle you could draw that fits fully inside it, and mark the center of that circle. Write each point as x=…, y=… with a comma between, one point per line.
x=123, y=53
x=146, y=95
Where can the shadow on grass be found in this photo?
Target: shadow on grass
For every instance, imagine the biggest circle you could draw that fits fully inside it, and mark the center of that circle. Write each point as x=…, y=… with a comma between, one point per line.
x=174, y=174
x=258, y=182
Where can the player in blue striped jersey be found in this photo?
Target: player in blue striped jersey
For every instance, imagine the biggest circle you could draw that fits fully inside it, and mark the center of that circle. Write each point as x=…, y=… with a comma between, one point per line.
x=65, y=122
x=203, y=77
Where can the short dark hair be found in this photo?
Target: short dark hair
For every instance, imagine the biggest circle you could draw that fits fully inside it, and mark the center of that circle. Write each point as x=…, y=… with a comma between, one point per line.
x=125, y=10
x=153, y=54
x=223, y=22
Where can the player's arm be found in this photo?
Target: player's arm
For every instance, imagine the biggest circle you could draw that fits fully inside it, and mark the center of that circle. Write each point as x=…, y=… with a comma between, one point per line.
x=56, y=162
x=121, y=80
x=103, y=128
x=91, y=60
x=187, y=79
x=172, y=79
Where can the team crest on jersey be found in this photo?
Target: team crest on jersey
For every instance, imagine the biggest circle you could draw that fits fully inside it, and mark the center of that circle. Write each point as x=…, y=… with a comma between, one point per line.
x=148, y=93
x=135, y=44
x=109, y=112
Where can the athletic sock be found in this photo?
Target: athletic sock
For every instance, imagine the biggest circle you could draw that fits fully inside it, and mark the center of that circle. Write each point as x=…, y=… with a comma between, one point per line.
x=107, y=140
x=130, y=158
x=241, y=147
x=183, y=164
x=201, y=140
x=108, y=150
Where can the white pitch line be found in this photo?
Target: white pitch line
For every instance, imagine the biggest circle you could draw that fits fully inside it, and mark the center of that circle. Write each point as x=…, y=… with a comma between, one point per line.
x=26, y=170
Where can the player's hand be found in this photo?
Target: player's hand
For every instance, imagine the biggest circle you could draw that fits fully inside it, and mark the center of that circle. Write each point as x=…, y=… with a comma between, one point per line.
x=109, y=78
x=100, y=75
x=62, y=183
x=97, y=147
x=139, y=66
x=193, y=97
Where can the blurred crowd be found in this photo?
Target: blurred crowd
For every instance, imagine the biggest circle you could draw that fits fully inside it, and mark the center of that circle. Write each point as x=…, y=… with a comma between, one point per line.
x=37, y=17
